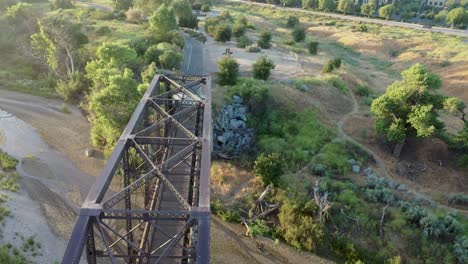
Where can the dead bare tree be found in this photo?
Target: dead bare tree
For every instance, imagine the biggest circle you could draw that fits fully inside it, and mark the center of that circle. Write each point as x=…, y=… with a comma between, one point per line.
x=382, y=219
x=322, y=202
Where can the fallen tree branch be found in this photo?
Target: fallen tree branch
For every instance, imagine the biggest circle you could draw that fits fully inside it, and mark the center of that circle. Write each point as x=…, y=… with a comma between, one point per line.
x=382, y=219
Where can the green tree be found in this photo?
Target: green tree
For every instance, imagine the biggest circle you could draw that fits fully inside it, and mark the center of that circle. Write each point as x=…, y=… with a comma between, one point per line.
x=292, y=22
x=373, y=6
x=162, y=23
x=299, y=225
x=264, y=41
x=222, y=33
x=345, y=6
x=147, y=76
x=327, y=5
x=228, y=71
x=240, y=27
x=112, y=59
x=135, y=15
x=366, y=10
x=75, y=86
x=269, y=168
x=298, y=34
x=57, y=43
x=386, y=11
x=149, y=6
x=184, y=13
x=111, y=108
x=262, y=68
x=313, y=47
x=309, y=4
x=457, y=16
x=170, y=59
x=21, y=16
x=409, y=107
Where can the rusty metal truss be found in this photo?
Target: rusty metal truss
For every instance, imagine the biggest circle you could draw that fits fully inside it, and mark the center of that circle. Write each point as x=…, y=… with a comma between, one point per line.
x=151, y=203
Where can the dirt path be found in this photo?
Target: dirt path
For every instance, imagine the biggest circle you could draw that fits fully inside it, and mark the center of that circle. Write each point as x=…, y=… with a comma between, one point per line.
x=380, y=164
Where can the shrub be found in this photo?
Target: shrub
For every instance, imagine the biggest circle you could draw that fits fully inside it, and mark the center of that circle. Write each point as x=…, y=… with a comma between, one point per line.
x=222, y=33
x=292, y=21
x=362, y=28
x=269, y=168
x=239, y=30
x=260, y=228
x=313, y=47
x=298, y=34
x=265, y=40
x=438, y=227
x=218, y=208
x=7, y=162
x=253, y=48
x=205, y=8
x=413, y=212
x=228, y=71
x=463, y=161
x=135, y=15
x=196, y=6
x=139, y=44
x=74, y=87
x=254, y=93
x=103, y=30
x=460, y=249
x=152, y=54
x=243, y=42
x=62, y=4
x=299, y=226
x=458, y=198
x=331, y=65
x=363, y=90
x=170, y=59
x=382, y=195
x=262, y=68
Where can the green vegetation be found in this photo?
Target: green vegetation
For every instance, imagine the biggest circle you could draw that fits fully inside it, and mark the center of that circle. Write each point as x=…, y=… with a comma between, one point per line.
x=387, y=11
x=7, y=162
x=8, y=181
x=332, y=65
x=269, y=168
x=298, y=34
x=10, y=255
x=226, y=214
x=409, y=107
x=264, y=41
x=313, y=47
x=262, y=68
x=228, y=71
x=345, y=6
x=292, y=22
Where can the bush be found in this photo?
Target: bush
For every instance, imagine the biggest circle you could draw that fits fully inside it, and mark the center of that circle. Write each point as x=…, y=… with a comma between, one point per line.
x=139, y=44
x=254, y=93
x=260, y=228
x=331, y=65
x=463, y=161
x=298, y=34
x=170, y=59
x=460, y=249
x=7, y=162
x=265, y=40
x=299, y=226
x=458, y=198
x=239, y=30
x=413, y=212
x=243, y=42
x=363, y=90
x=269, y=168
x=382, y=195
x=222, y=33
x=152, y=54
x=292, y=21
x=228, y=71
x=74, y=87
x=262, y=68
x=62, y=4
x=362, y=28
x=135, y=15
x=227, y=215
x=437, y=227
x=253, y=48
x=313, y=47
x=103, y=30
x=196, y=6
x=205, y=8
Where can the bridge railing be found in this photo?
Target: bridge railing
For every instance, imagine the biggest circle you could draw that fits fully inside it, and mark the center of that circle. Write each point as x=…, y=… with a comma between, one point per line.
x=155, y=183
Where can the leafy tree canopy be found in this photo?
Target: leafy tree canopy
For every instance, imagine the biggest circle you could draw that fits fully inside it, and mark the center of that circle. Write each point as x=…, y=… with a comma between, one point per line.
x=162, y=22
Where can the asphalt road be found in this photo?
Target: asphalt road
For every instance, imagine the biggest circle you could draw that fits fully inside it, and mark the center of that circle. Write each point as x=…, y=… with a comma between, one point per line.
x=193, y=57
x=455, y=32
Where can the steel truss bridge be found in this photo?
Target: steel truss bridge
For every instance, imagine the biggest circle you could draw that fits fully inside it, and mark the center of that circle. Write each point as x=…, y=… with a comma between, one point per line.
x=151, y=203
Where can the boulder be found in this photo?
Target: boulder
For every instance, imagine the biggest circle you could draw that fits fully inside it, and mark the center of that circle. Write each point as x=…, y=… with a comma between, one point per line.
x=356, y=168
x=402, y=187
x=368, y=171
x=352, y=162
x=392, y=184
x=89, y=152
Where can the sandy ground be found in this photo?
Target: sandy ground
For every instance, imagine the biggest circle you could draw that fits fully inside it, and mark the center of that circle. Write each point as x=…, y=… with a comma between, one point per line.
x=68, y=133
x=289, y=65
